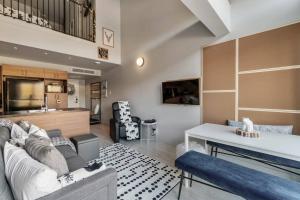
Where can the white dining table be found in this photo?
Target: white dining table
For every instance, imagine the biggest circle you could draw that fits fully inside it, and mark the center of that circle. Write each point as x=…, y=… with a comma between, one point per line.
x=280, y=145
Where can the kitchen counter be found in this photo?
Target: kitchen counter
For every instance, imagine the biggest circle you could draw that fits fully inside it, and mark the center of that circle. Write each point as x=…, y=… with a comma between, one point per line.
x=38, y=112
x=71, y=121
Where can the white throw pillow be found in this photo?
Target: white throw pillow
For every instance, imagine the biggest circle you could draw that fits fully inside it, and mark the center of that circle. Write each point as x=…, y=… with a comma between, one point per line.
x=28, y=178
x=18, y=135
x=38, y=131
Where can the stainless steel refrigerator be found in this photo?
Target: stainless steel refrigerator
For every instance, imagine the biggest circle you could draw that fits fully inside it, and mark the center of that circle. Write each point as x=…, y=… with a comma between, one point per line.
x=23, y=94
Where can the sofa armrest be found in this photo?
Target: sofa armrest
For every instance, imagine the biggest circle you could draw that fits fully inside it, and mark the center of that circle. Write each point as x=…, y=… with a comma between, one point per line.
x=136, y=119
x=102, y=185
x=114, y=130
x=54, y=133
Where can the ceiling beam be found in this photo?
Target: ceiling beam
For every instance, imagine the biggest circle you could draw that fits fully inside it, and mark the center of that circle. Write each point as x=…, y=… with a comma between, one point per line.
x=214, y=14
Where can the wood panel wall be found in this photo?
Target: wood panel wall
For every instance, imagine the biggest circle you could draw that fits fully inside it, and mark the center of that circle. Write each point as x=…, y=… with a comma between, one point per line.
x=264, y=73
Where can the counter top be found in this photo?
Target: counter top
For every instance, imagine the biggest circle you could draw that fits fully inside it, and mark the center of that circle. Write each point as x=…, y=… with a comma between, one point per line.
x=39, y=112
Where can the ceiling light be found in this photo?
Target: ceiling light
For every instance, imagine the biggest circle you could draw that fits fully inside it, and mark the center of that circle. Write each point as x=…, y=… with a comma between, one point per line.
x=98, y=62
x=140, y=61
x=15, y=48
x=46, y=53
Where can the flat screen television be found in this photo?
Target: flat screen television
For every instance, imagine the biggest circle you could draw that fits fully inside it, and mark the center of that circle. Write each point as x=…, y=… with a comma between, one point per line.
x=181, y=92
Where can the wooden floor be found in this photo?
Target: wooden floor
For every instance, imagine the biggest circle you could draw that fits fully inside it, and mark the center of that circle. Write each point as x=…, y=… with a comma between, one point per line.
x=167, y=154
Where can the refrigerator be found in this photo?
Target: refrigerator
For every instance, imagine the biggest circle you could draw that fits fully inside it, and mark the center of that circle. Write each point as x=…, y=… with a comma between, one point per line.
x=23, y=94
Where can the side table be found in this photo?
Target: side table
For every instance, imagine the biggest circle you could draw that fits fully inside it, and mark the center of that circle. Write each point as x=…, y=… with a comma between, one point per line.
x=149, y=129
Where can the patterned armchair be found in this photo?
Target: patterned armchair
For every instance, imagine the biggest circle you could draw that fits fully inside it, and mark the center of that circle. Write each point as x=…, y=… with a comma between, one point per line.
x=123, y=125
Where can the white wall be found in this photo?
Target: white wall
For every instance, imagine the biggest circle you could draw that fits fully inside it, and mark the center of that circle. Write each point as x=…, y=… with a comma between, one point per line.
x=108, y=15
x=77, y=100
x=170, y=39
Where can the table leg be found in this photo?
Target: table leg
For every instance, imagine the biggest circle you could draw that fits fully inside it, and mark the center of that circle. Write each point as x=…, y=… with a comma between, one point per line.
x=186, y=141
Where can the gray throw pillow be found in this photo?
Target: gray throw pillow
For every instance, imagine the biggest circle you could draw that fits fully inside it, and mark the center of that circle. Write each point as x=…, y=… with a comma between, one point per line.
x=280, y=129
x=41, y=150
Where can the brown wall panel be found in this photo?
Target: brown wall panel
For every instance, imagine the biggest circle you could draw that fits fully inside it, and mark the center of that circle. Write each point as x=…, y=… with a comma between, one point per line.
x=218, y=107
x=275, y=48
x=273, y=119
x=273, y=90
x=219, y=66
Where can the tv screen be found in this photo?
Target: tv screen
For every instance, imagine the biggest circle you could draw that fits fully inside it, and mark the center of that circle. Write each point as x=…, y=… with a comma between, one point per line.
x=181, y=92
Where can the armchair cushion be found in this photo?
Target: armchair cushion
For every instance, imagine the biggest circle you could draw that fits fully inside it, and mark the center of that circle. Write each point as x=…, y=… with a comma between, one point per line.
x=132, y=128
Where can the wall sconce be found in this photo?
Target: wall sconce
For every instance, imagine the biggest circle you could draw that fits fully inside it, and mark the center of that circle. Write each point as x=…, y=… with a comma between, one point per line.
x=140, y=61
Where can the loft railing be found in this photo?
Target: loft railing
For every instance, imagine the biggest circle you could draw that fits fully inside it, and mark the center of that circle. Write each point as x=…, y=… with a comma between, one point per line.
x=66, y=16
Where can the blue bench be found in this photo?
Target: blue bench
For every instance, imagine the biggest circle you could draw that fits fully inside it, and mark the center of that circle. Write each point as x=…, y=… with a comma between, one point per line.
x=233, y=178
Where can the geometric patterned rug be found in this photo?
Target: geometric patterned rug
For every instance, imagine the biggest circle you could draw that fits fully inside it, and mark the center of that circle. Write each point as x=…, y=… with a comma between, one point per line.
x=139, y=176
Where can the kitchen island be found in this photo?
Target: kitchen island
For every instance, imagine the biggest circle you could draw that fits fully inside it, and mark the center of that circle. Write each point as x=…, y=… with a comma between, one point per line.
x=71, y=121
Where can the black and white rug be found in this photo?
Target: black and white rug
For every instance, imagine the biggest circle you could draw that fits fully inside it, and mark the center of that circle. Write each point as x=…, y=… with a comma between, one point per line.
x=139, y=176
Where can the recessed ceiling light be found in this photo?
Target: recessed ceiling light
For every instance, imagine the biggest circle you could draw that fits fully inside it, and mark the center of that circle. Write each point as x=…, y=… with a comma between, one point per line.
x=15, y=48
x=98, y=62
x=46, y=53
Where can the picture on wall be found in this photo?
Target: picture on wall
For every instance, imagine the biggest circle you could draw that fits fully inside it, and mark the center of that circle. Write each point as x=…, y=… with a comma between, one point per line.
x=108, y=37
x=103, y=53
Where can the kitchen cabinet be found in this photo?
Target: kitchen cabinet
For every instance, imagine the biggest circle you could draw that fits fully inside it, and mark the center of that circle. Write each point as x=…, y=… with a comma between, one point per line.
x=54, y=74
x=30, y=72
x=33, y=72
x=8, y=70
x=57, y=100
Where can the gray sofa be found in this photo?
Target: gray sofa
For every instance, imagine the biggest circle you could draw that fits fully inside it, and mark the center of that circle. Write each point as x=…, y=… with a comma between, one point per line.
x=101, y=186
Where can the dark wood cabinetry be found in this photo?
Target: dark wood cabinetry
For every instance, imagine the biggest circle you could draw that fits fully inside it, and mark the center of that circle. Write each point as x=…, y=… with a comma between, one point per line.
x=56, y=79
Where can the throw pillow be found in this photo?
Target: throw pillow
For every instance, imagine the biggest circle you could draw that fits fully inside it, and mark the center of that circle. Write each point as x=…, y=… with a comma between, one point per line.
x=40, y=149
x=18, y=135
x=6, y=123
x=38, y=131
x=280, y=129
x=25, y=125
x=28, y=178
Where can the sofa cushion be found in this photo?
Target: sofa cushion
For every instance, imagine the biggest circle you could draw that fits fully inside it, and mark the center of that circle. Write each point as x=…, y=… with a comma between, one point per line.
x=4, y=136
x=28, y=178
x=40, y=149
x=74, y=161
x=54, y=133
x=5, y=192
x=66, y=151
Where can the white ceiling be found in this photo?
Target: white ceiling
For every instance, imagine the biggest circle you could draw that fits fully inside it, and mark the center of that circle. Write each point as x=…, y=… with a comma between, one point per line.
x=29, y=53
x=214, y=14
x=247, y=16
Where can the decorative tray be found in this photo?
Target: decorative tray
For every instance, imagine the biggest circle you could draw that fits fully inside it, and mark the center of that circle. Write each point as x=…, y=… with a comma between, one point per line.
x=253, y=134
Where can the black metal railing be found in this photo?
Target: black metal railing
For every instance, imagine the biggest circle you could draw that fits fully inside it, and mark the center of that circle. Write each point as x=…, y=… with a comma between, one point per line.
x=66, y=16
